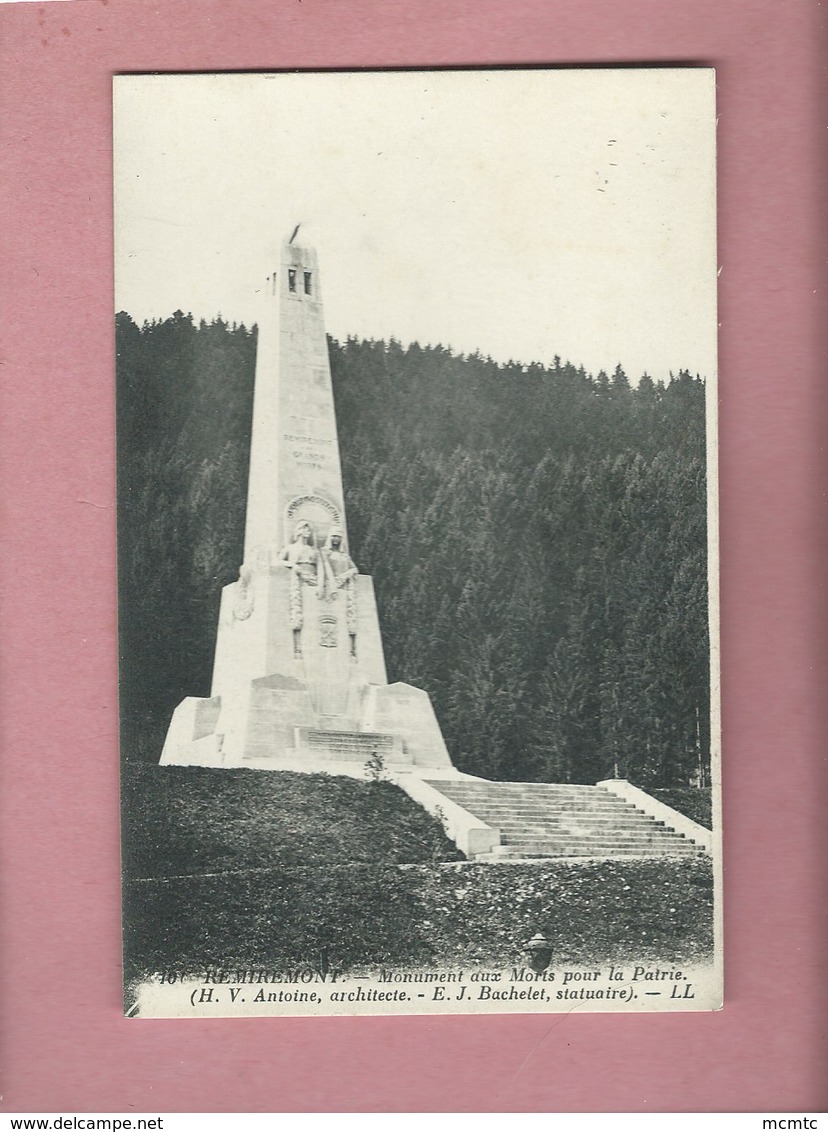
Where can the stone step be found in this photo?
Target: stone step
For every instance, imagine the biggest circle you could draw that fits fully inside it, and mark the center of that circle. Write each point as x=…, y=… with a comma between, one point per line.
x=605, y=842
x=537, y=820
x=587, y=794
x=514, y=852
x=501, y=806
x=567, y=818
x=510, y=788
x=569, y=821
x=522, y=833
x=608, y=812
x=511, y=830
x=506, y=791
x=540, y=803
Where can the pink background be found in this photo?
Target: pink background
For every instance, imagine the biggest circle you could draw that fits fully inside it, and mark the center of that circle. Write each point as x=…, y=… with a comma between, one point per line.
x=65, y=1045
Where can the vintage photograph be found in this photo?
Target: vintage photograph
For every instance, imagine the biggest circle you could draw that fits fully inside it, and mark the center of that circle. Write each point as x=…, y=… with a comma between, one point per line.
x=418, y=624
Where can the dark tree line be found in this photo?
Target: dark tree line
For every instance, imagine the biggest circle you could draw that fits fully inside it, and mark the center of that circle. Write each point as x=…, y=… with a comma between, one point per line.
x=537, y=538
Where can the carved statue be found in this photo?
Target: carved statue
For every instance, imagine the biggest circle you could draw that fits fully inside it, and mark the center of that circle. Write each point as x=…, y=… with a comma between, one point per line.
x=338, y=565
x=243, y=602
x=339, y=571
x=301, y=557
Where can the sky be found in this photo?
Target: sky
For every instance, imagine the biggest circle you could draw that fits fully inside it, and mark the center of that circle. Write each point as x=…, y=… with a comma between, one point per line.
x=523, y=214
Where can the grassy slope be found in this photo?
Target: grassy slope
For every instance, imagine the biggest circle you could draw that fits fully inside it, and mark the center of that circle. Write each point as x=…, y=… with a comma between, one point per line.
x=191, y=820
x=362, y=916
x=694, y=803
x=311, y=863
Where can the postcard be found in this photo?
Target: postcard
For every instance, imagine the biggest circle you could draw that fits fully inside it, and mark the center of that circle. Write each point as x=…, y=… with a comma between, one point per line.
x=418, y=574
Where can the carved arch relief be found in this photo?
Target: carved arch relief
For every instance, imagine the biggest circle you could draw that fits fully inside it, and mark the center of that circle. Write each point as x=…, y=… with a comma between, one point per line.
x=320, y=512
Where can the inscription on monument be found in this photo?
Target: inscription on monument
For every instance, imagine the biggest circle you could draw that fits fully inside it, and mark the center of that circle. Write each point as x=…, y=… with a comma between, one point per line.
x=354, y=745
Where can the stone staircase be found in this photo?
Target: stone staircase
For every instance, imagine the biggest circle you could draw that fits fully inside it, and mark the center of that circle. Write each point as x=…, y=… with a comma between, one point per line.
x=544, y=820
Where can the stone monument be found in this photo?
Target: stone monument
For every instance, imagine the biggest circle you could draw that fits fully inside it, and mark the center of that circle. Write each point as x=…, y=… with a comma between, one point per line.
x=299, y=676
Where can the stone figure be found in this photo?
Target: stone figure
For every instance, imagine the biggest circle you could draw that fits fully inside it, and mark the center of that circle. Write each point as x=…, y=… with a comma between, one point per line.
x=301, y=557
x=339, y=571
x=243, y=603
x=338, y=565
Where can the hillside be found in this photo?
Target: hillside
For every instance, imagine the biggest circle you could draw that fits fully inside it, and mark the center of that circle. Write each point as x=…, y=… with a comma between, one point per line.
x=238, y=869
x=536, y=535
x=188, y=821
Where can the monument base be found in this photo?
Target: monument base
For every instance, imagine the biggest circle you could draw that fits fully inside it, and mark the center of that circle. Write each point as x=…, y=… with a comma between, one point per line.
x=299, y=677
x=274, y=723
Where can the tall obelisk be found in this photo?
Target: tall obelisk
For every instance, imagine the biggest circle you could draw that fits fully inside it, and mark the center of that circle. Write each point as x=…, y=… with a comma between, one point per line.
x=294, y=451
x=299, y=676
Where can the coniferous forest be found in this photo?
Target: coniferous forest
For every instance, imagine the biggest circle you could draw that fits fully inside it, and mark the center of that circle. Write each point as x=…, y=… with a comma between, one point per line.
x=536, y=535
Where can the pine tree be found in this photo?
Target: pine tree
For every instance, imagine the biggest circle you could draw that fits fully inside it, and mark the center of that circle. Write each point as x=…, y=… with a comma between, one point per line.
x=536, y=538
